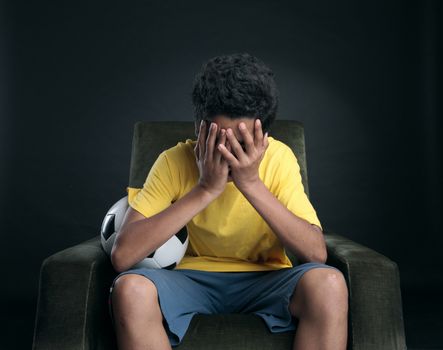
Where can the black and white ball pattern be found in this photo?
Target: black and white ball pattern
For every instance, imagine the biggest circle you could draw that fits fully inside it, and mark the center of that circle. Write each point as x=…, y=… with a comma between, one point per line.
x=166, y=256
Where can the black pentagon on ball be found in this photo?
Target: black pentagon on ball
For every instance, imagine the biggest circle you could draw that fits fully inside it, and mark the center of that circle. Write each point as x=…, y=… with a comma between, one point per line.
x=170, y=267
x=182, y=234
x=108, y=226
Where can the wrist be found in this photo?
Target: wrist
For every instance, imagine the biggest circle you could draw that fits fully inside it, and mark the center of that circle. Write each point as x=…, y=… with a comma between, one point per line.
x=204, y=193
x=251, y=186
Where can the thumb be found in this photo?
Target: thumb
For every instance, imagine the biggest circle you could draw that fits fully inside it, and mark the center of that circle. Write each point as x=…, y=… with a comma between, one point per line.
x=196, y=151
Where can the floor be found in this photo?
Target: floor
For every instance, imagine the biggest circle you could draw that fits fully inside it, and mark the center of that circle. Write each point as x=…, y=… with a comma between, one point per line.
x=423, y=315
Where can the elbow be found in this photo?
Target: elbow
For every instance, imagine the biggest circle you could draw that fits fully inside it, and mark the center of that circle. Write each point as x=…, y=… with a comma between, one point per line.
x=116, y=260
x=317, y=257
x=321, y=256
x=322, y=253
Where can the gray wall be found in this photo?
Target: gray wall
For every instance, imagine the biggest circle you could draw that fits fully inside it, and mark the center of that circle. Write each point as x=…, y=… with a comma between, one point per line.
x=75, y=77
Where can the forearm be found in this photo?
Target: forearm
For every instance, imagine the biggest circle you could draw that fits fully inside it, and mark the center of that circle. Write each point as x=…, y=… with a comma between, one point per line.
x=142, y=237
x=296, y=234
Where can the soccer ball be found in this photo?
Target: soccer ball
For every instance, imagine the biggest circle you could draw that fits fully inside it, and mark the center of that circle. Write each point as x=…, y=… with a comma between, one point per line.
x=166, y=256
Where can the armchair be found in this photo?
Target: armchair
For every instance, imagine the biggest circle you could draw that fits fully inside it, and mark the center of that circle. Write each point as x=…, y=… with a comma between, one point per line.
x=72, y=310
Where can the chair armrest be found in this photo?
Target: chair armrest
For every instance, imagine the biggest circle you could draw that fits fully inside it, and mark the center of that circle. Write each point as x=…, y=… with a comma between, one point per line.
x=72, y=310
x=375, y=305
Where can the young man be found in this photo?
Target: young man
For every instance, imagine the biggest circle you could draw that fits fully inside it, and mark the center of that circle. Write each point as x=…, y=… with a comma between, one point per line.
x=240, y=195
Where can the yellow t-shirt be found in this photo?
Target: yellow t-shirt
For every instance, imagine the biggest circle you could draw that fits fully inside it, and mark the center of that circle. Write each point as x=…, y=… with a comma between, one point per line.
x=229, y=234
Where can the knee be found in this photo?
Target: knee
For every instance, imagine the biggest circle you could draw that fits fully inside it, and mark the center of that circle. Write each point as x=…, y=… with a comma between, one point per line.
x=332, y=295
x=335, y=283
x=323, y=291
x=134, y=288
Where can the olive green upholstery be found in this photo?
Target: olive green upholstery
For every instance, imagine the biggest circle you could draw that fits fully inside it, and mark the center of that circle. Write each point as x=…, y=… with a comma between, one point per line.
x=72, y=310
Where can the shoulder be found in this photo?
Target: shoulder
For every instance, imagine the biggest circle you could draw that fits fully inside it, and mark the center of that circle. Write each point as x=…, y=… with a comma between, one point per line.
x=278, y=150
x=181, y=153
x=181, y=148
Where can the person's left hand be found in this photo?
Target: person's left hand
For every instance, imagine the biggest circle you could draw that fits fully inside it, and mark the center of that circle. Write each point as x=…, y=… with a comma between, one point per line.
x=245, y=165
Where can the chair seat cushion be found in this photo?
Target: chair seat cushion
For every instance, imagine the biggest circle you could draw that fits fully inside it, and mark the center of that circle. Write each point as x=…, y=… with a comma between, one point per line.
x=233, y=331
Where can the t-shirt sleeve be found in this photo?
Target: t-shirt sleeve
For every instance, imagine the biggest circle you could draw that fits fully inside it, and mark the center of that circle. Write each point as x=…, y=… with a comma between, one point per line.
x=159, y=189
x=290, y=189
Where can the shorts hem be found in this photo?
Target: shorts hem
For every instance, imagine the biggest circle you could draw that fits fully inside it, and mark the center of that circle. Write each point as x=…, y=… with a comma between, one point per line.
x=289, y=322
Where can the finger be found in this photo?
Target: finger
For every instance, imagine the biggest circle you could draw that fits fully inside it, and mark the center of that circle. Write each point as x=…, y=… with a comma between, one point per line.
x=266, y=140
x=197, y=151
x=265, y=145
x=197, y=144
x=228, y=156
x=258, y=139
x=228, y=147
x=210, y=141
x=217, y=156
x=201, y=139
x=235, y=145
x=247, y=138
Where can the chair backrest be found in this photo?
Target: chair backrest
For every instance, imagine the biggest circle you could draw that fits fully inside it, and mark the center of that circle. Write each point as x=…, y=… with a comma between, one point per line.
x=152, y=137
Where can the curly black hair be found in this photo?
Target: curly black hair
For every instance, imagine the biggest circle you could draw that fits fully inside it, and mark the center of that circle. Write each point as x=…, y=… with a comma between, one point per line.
x=238, y=85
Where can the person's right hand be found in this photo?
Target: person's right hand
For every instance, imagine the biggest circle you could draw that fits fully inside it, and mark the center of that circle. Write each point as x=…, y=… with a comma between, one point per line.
x=213, y=168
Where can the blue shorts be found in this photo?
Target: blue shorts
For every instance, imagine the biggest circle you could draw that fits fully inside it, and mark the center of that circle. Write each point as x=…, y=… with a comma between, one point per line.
x=184, y=292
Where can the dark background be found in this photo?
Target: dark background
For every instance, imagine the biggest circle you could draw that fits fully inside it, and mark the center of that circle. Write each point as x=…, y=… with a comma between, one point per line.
x=365, y=79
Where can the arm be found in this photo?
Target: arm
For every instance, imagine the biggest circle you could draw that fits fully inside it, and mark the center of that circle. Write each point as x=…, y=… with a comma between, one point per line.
x=139, y=235
x=306, y=241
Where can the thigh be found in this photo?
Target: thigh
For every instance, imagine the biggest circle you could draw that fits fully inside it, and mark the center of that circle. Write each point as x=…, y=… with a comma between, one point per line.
x=180, y=298
x=268, y=295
